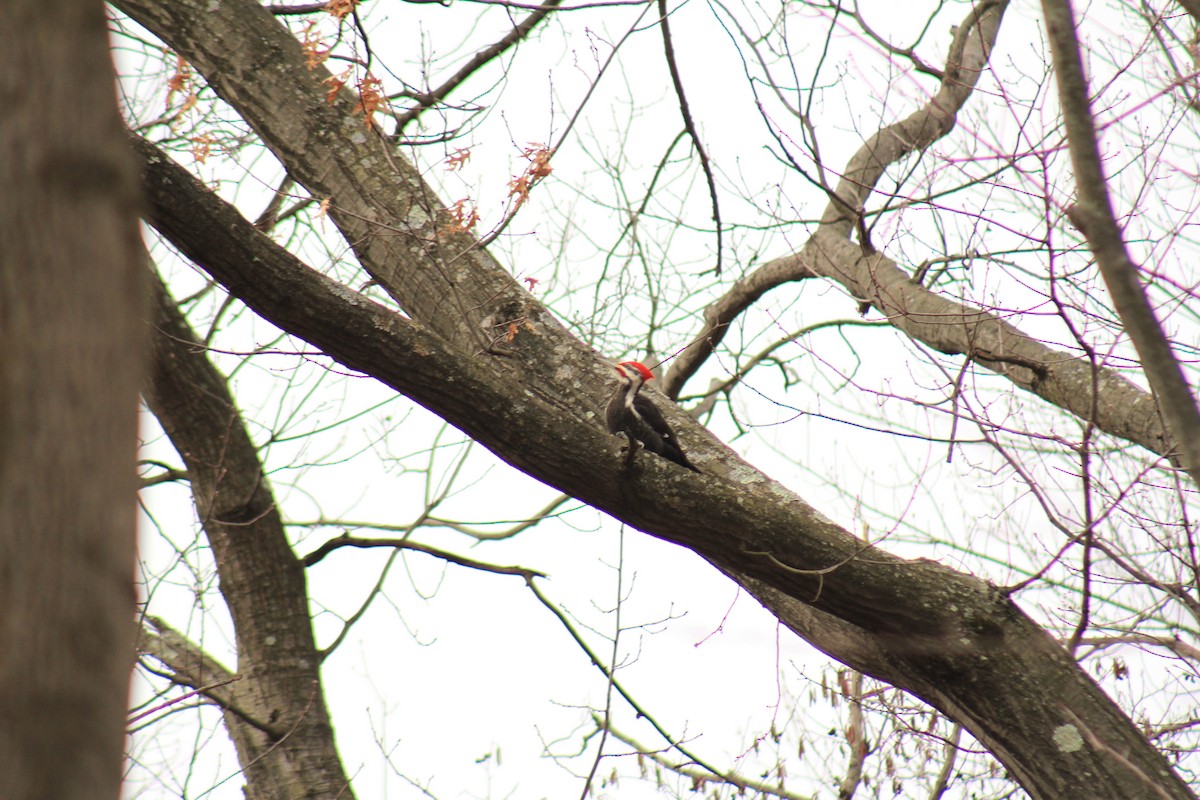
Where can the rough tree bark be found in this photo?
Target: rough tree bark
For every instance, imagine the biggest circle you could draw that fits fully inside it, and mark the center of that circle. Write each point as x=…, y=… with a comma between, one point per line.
x=275, y=711
x=69, y=371
x=947, y=637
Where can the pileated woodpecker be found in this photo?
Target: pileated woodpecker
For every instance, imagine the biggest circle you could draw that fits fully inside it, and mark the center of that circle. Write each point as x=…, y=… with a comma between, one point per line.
x=639, y=419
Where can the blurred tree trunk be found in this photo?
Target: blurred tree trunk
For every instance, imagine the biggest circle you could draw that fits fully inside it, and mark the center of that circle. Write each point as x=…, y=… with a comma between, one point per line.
x=69, y=373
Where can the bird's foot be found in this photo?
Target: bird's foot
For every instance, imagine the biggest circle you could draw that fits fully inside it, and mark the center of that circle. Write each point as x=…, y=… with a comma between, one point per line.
x=631, y=452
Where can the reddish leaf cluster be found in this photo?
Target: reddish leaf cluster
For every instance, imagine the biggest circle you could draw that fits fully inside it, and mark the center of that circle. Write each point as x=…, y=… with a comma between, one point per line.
x=313, y=45
x=463, y=217
x=180, y=82
x=458, y=159
x=539, y=156
x=370, y=97
x=341, y=8
x=335, y=83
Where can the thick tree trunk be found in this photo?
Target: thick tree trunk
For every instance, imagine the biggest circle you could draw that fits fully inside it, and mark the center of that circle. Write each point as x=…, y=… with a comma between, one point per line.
x=70, y=356
x=276, y=712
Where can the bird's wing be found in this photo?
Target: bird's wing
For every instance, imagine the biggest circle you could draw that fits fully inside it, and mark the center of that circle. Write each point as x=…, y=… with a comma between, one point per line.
x=653, y=417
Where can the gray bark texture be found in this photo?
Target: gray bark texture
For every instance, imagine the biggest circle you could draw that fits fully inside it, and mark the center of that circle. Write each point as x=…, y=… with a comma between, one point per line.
x=275, y=710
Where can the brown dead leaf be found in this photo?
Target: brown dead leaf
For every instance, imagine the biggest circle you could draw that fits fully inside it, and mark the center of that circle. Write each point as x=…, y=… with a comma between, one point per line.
x=336, y=84
x=201, y=147
x=341, y=8
x=312, y=42
x=539, y=156
x=459, y=159
x=370, y=98
x=180, y=80
x=463, y=217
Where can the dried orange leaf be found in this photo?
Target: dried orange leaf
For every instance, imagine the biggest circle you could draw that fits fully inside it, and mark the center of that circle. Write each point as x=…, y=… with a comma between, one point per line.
x=336, y=84
x=340, y=8
x=463, y=217
x=459, y=159
x=313, y=45
x=179, y=80
x=201, y=147
x=539, y=167
x=370, y=97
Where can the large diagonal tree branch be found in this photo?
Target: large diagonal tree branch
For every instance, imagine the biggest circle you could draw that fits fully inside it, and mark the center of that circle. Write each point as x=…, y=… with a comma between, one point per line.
x=945, y=324
x=1093, y=214
x=945, y=636
x=399, y=229
x=966, y=61
x=262, y=581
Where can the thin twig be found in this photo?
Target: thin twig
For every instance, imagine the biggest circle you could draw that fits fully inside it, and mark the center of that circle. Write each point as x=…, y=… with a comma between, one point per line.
x=737, y=781
x=428, y=100
x=608, y=674
x=950, y=751
x=690, y=125
x=613, y=658
x=199, y=690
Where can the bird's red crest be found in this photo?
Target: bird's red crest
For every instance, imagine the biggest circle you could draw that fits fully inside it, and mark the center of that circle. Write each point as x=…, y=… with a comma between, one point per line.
x=641, y=368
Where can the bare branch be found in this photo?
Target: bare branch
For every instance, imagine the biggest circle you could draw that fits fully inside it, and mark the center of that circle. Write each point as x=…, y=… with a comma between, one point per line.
x=430, y=521
x=698, y=777
x=190, y=665
x=949, y=757
x=950, y=327
x=856, y=736
x=201, y=690
x=262, y=582
x=1170, y=643
x=607, y=671
x=1093, y=215
x=297, y=10
x=428, y=100
x=964, y=63
x=690, y=124
x=719, y=315
x=345, y=540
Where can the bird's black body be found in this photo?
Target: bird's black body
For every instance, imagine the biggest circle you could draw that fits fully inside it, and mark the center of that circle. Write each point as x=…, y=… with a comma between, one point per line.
x=640, y=420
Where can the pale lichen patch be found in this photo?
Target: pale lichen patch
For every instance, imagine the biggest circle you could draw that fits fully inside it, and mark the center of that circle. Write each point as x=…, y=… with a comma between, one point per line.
x=1067, y=738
